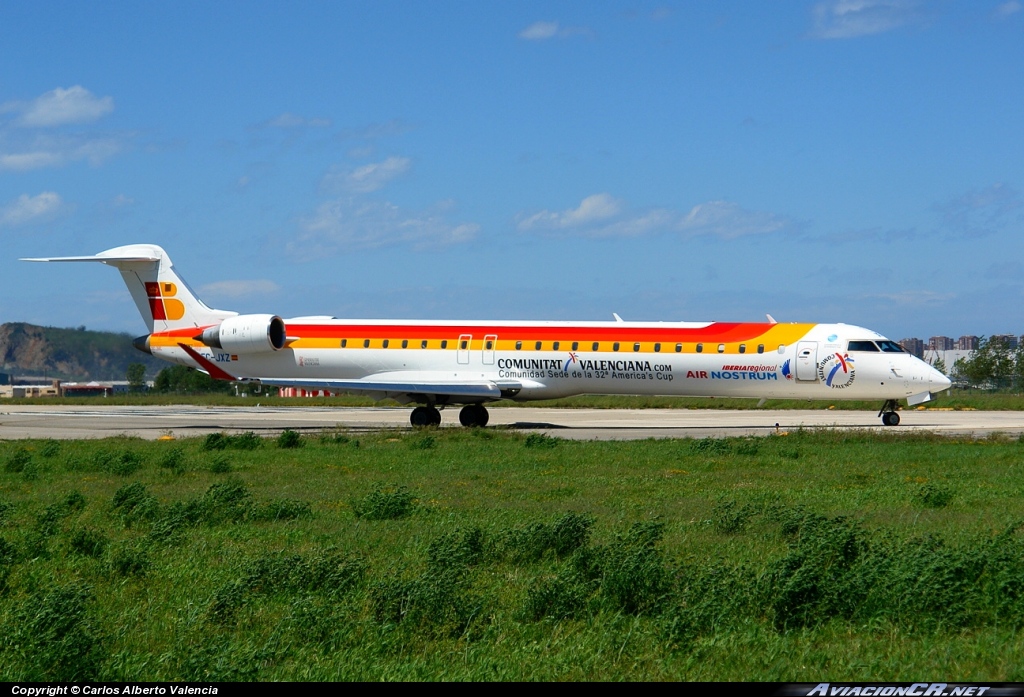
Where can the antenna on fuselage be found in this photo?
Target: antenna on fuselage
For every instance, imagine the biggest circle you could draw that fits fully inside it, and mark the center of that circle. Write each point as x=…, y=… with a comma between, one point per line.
x=771, y=320
x=616, y=316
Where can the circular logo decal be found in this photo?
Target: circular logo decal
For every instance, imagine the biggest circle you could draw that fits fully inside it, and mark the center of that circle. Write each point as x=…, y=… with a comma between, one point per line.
x=837, y=371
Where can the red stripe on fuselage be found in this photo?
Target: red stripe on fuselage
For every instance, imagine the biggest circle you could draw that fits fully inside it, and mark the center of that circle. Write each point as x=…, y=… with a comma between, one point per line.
x=723, y=332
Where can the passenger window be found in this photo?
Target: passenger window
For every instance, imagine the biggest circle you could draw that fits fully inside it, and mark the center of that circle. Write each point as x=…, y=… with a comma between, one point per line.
x=700, y=348
x=538, y=345
x=344, y=343
x=490, y=345
x=721, y=348
x=575, y=345
x=465, y=344
x=385, y=344
x=554, y=346
x=636, y=347
x=679, y=348
x=405, y=343
x=760, y=348
x=596, y=344
x=743, y=348
x=519, y=346
x=615, y=346
x=444, y=343
x=366, y=343
x=423, y=344
x=657, y=348
x=782, y=348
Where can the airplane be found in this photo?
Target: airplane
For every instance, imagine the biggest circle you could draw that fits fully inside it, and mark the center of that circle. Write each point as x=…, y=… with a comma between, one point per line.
x=436, y=364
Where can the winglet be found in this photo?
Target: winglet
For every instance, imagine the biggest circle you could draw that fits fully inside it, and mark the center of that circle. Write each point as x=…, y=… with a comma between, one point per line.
x=214, y=372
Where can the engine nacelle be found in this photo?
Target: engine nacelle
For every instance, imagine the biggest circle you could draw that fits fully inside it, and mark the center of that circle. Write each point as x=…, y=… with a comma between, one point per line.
x=246, y=334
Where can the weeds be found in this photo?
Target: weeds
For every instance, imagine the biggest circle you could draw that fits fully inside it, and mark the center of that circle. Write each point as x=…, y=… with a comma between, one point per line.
x=88, y=542
x=289, y=439
x=53, y=636
x=17, y=461
x=933, y=496
x=385, y=503
x=542, y=441
x=174, y=460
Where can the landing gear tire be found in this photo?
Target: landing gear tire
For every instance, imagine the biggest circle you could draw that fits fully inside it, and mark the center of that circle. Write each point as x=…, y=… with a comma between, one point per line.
x=425, y=416
x=888, y=413
x=891, y=418
x=473, y=415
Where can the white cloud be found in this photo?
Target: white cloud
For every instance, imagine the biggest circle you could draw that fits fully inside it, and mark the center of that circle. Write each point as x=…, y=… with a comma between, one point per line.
x=728, y=220
x=981, y=211
x=591, y=209
x=353, y=223
x=541, y=31
x=367, y=178
x=1007, y=8
x=240, y=289
x=602, y=215
x=27, y=209
x=846, y=19
x=63, y=106
x=45, y=150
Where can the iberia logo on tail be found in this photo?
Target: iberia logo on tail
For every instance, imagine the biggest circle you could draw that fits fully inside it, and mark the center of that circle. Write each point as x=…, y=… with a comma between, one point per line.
x=162, y=302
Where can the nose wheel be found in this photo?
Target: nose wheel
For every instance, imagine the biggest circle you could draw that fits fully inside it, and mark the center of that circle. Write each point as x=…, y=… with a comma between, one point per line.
x=473, y=415
x=888, y=413
x=425, y=416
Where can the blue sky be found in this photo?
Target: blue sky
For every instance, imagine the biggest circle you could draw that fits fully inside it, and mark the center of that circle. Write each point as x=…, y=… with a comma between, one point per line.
x=848, y=160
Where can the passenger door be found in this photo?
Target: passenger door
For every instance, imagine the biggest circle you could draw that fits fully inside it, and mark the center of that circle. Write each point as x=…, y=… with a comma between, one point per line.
x=490, y=341
x=465, y=341
x=807, y=361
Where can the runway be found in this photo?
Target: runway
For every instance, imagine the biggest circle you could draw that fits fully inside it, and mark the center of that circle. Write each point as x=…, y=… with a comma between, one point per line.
x=152, y=422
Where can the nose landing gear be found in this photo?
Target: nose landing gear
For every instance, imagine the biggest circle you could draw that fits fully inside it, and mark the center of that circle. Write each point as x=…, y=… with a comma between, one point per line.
x=888, y=413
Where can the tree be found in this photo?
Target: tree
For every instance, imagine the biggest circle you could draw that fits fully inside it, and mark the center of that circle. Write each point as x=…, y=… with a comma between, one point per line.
x=181, y=379
x=940, y=365
x=136, y=377
x=991, y=365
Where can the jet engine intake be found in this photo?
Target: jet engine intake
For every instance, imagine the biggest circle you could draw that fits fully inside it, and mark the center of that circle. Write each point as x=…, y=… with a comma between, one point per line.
x=246, y=334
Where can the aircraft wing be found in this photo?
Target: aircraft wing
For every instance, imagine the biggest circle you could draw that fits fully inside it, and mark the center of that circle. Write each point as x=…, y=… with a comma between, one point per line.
x=476, y=389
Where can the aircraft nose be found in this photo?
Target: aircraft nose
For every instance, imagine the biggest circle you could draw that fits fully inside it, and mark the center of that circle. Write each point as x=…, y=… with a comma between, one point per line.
x=937, y=382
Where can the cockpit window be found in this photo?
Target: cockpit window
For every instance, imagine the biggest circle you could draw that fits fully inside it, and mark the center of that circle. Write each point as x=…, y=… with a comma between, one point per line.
x=890, y=346
x=862, y=346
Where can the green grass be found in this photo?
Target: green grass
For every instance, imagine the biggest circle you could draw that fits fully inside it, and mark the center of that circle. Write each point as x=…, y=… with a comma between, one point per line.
x=955, y=399
x=487, y=554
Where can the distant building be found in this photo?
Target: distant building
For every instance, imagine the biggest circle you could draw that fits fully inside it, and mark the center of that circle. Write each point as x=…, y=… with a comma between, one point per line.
x=940, y=343
x=967, y=343
x=915, y=347
x=1008, y=340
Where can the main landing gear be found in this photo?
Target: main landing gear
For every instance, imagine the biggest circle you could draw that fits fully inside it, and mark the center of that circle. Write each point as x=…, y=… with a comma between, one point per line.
x=425, y=416
x=471, y=415
x=888, y=413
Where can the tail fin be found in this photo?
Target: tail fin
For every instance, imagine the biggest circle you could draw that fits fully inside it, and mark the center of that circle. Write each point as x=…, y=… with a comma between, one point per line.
x=164, y=300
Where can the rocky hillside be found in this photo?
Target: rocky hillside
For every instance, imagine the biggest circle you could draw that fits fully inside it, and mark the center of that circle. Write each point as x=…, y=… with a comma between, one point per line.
x=69, y=354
